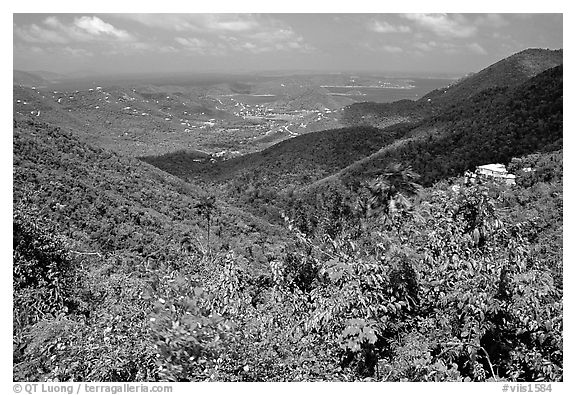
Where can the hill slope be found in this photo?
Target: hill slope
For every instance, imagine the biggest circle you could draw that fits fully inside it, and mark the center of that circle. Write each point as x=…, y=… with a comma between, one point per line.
x=493, y=126
x=296, y=161
x=95, y=234
x=36, y=78
x=126, y=120
x=89, y=191
x=509, y=72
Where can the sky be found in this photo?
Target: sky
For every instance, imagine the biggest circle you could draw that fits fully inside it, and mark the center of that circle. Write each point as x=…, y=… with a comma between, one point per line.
x=223, y=42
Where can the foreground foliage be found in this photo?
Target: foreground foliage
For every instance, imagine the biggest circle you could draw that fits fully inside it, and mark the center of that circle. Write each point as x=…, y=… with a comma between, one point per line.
x=143, y=278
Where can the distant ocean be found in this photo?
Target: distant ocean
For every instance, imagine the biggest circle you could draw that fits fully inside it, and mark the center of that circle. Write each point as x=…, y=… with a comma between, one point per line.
x=415, y=89
x=397, y=89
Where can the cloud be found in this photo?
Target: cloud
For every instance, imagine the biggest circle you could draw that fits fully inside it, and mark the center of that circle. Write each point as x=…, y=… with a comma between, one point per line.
x=256, y=43
x=477, y=48
x=36, y=50
x=97, y=27
x=38, y=34
x=444, y=25
x=391, y=49
x=67, y=52
x=199, y=46
x=218, y=34
x=141, y=47
x=84, y=36
x=492, y=20
x=81, y=29
x=385, y=27
x=207, y=23
x=281, y=39
x=192, y=42
x=205, y=34
x=234, y=25
x=383, y=48
x=448, y=47
x=76, y=52
x=426, y=46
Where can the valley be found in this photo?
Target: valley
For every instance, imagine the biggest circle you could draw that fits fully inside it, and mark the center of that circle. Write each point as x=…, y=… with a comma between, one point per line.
x=289, y=226
x=219, y=117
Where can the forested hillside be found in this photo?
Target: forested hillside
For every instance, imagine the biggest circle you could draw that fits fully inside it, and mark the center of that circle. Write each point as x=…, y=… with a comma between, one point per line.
x=382, y=115
x=507, y=73
x=92, y=230
x=416, y=284
x=493, y=126
x=295, y=162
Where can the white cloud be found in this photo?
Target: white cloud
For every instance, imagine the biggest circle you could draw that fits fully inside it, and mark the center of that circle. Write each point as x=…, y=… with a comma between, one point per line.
x=234, y=24
x=255, y=33
x=96, y=26
x=197, y=22
x=231, y=33
x=391, y=49
x=193, y=44
x=36, y=50
x=82, y=29
x=251, y=47
x=426, y=46
x=283, y=39
x=492, y=20
x=277, y=35
x=38, y=34
x=77, y=52
x=382, y=48
x=477, y=48
x=52, y=22
x=449, y=47
x=385, y=27
x=444, y=25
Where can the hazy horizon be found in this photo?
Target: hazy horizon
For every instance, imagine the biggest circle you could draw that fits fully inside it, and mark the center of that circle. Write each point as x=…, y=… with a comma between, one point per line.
x=136, y=44
x=81, y=74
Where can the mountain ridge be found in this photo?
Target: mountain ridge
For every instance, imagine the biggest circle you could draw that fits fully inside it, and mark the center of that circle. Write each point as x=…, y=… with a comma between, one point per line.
x=77, y=179
x=436, y=146
x=507, y=72
x=431, y=126
x=548, y=83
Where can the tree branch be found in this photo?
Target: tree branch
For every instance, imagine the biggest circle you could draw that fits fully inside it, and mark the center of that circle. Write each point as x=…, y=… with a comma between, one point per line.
x=86, y=253
x=477, y=346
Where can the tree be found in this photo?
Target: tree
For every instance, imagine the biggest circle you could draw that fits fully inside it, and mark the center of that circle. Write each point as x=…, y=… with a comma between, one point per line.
x=205, y=207
x=389, y=193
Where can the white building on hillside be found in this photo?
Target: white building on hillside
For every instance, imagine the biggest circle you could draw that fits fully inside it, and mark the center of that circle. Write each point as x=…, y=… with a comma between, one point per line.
x=494, y=171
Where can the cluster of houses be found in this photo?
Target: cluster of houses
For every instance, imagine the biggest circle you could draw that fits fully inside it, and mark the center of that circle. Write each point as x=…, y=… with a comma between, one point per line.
x=494, y=171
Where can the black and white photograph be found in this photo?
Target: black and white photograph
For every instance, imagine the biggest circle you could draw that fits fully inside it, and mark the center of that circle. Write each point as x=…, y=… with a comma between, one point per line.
x=287, y=197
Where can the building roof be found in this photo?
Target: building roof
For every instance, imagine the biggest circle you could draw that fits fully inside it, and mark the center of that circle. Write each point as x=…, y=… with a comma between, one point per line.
x=495, y=167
